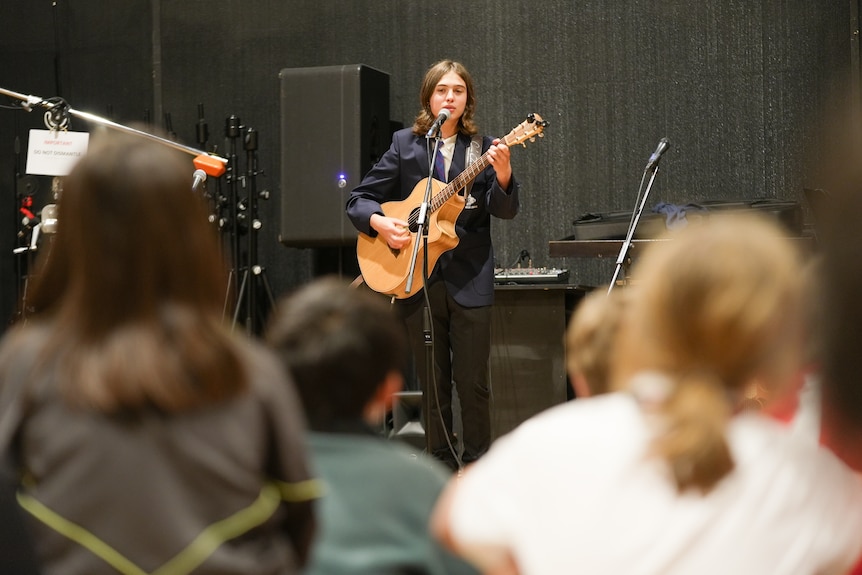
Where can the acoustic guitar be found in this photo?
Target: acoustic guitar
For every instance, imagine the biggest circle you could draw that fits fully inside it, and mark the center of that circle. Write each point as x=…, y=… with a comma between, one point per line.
x=386, y=270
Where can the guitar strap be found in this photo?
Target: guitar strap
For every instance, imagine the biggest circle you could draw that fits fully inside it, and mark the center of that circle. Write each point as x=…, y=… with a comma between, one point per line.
x=474, y=150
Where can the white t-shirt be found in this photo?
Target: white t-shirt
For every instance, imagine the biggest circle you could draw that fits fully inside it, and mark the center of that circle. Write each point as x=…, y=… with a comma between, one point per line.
x=573, y=491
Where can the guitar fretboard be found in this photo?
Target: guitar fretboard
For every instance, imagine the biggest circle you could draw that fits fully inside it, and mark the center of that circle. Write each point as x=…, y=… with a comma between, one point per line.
x=459, y=182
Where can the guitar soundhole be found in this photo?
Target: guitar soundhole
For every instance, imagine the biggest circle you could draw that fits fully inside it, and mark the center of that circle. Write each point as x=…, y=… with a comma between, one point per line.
x=413, y=220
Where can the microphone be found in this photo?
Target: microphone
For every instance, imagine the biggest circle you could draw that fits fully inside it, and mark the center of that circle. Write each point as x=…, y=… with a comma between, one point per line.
x=438, y=123
x=663, y=145
x=200, y=176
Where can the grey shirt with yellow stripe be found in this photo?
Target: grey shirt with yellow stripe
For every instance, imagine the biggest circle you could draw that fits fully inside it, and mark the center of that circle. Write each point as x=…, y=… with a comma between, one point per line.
x=221, y=489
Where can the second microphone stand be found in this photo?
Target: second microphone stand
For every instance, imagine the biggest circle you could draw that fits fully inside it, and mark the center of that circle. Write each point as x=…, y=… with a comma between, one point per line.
x=652, y=168
x=254, y=278
x=623, y=257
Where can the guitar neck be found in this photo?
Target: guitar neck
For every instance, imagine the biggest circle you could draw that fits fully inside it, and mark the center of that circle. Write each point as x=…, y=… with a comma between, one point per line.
x=460, y=182
x=528, y=130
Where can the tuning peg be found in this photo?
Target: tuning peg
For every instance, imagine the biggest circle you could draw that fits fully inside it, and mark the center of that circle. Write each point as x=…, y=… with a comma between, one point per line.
x=542, y=134
x=524, y=144
x=533, y=139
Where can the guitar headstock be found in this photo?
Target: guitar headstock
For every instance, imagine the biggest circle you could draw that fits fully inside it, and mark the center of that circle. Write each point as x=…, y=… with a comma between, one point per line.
x=533, y=126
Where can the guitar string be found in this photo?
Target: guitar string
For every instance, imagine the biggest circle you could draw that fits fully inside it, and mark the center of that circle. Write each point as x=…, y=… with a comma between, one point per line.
x=456, y=184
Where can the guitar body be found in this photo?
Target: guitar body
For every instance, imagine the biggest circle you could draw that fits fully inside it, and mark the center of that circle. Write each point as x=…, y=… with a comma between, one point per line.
x=386, y=270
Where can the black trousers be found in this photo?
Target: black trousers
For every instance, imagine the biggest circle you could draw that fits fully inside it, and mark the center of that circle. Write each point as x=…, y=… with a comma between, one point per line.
x=461, y=344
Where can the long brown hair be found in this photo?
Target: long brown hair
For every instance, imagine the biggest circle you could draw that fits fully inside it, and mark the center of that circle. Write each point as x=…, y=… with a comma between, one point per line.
x=716, y=309
x=132, y=285
x=425, y=119
x=591, y=336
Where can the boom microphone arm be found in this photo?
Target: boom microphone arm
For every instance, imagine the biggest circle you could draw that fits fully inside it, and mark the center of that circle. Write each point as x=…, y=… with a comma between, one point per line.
x=58, y=111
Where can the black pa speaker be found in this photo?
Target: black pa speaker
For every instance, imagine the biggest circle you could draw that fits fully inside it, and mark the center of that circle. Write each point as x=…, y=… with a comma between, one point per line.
x=334, y=128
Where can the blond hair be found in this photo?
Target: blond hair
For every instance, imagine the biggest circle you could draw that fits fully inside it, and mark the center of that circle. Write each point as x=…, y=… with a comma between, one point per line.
x=717, y=308
x=590, y=339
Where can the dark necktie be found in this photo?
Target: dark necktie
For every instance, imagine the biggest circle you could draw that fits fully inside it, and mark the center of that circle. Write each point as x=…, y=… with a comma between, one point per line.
x=440, y=165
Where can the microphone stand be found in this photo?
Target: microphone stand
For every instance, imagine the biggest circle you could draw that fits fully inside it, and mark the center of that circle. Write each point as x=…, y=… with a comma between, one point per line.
x=253, y=272
x=627, y=243
x=232, y=132
x=422, y=233
x=21, y=271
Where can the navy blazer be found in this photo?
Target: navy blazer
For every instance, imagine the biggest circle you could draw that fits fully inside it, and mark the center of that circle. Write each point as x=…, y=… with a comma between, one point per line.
x=468, y=268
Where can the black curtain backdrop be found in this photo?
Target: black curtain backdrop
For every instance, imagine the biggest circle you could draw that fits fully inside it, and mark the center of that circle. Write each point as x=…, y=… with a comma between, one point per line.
x=734, y=84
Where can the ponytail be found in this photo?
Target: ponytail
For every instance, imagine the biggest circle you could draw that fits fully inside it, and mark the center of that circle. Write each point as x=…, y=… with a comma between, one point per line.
x=710, y=326
x=691, y=423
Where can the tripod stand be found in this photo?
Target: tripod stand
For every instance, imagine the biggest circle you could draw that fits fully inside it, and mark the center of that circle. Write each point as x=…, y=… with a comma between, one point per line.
x=245, y=221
